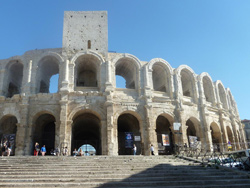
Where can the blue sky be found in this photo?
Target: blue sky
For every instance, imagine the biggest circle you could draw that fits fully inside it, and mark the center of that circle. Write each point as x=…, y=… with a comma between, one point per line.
x=209, y=36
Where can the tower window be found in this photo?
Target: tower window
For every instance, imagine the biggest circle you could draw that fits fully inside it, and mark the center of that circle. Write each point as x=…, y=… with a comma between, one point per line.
x=89, y=44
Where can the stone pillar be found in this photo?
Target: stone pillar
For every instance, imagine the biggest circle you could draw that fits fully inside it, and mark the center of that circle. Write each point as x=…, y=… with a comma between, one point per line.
x=64, y=135
x=150, y=126
x=57, y=133
x=111, y=132
x=23, y=139
x=183, y=130
x=2, y=83
x=104, y=137
x=209, y=140
x=20, y=139
x=26, y=86
x=71, y=77
x=205, y=128
x=65, y=81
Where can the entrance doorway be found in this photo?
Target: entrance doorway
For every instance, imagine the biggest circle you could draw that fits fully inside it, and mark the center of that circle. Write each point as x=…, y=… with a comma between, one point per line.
x=128, y=134
x=86, y=133
x=164, y=132
x=44, y=132
x=8, y=130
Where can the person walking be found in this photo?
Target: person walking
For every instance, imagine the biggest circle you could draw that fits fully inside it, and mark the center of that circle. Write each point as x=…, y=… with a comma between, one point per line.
x=152, y=149
x=43, y=150
x=3, y=148
x=37, y=149
x=134, y=149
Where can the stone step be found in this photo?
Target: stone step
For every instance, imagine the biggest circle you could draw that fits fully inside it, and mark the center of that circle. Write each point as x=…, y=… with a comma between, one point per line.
x=128, y=183
x=106, y=178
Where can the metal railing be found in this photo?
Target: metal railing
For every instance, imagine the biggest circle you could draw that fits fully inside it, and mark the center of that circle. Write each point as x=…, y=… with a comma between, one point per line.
x=216, y=156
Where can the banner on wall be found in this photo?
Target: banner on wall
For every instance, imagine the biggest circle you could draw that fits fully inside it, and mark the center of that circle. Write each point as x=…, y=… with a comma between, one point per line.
x=129, y=140
x=193, y=142
x=165, y=140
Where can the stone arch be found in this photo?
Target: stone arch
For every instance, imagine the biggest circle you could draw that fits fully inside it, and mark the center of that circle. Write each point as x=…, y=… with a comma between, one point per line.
x=222, y=94
x=161, y=75
x=84, y=109
x=164, y=133
x=208, y=87
x=87, y=69
x=193, y=129
x=230, y=99
x=8, y=130
x=241, y=143
x=129, y=122
x=216, y=136
x=47, y=67
x=13, y=78
x=128, y=67
x=86, y=130
x=230, y=136
x=187, y=81
x=44, y=130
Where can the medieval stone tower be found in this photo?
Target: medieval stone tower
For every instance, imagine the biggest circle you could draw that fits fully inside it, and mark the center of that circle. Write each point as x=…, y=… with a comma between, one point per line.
x=90, y=110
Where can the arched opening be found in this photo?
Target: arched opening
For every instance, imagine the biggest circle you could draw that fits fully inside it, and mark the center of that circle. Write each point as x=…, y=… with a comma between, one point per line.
x=231, y=101
x=44, y=132
x=53, y=88
x=128, y=134
x=230, y=138
x=216, y=137
x=14, y=78
x=187, y=83
x=208, y=89
x=87, y=149
x=165, y=137
x=8, y=130
x=86, y=130
x=87, y=71
x=160, y=79
x=47, y=68
x=120, y=82
x=222, y=95
x=193, y=136
x=127, y=69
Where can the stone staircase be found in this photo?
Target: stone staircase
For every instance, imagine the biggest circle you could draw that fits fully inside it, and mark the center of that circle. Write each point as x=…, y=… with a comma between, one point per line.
x=118, y=172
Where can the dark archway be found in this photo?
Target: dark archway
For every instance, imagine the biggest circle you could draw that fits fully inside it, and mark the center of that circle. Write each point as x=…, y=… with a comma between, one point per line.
x=216, y=137
x=8, y=131
x=230, y=137
x=193, y=133
x=86, y=130
x=13, y=79
x=127, y=124
x=44, y=132
x=163, y=130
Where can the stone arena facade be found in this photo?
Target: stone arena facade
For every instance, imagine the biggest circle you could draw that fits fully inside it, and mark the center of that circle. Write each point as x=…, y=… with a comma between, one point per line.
x=89, y=109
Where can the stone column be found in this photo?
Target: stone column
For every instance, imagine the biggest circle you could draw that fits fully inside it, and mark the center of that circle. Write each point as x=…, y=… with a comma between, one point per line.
x=71, y=77
x=65, y=81
x=23, y=135
x=150, y=126
x=64, y=135
x=111, y=131
x=2, y=83
x=20, y=139
x=26, y=84
x=104, y=137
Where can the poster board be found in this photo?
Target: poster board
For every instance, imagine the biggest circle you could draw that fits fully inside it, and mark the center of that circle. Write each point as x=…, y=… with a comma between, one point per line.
x=193, y=142
x=165, y=140
x=129, y=140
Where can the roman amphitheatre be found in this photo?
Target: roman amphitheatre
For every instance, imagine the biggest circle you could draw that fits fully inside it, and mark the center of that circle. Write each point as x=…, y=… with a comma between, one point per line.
x=89, y=109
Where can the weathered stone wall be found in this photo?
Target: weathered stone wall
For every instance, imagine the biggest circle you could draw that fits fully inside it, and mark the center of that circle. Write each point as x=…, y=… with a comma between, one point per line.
x=101, y=113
